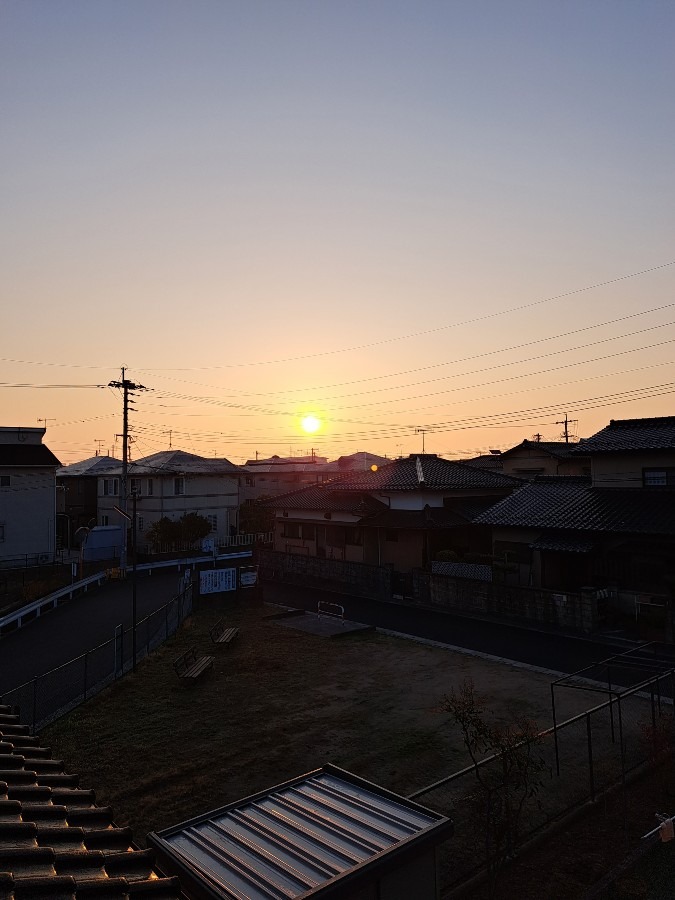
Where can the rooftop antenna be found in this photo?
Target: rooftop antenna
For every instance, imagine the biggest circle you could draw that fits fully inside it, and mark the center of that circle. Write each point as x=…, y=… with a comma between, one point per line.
x=46, y=421
x=100, y=444
x=422, y=431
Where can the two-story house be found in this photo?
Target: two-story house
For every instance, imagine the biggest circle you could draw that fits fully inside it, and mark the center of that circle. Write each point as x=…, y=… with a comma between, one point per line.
x=401, y=513
x=27, y=497
x=613, y=528
x=171, y=484
x=529, y=459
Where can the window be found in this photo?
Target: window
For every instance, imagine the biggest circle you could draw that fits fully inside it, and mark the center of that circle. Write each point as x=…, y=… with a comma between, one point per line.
x=111, y=487
x=178, y=486
x=212, y=519
x=141, y=523
x=391, y=535
x=658, y=477
x=250, y=481
x=151, y=487
x=2, y=532
x=5, y=480
x=135, y=486
x=291, y=530
x=104, y=520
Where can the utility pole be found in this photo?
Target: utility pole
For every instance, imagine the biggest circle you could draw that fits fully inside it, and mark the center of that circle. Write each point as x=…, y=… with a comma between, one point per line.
x=566, y=422
x=127, y=387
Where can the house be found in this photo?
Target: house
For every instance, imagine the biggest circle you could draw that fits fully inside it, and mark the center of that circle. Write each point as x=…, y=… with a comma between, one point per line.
x=27, y=497
x=171, y=484
x=76, y=496
x=401, y=513
x=281, y=474
x=532, y=458
x=612, y=529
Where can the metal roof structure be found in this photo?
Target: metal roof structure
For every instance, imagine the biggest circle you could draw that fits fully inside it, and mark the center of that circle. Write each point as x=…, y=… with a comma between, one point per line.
x=325, y=834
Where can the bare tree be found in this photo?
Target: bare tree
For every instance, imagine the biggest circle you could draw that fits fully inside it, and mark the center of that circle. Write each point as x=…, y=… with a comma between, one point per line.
x=509, y=769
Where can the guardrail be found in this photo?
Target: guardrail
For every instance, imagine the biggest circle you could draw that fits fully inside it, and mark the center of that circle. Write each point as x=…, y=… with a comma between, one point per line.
x=45, y=604
x=16, y=619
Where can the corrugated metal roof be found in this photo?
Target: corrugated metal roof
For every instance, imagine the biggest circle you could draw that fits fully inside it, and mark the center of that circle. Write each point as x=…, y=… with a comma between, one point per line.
x=297, y=839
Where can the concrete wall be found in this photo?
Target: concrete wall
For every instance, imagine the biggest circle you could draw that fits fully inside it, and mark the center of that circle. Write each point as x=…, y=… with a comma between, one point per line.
x=574, y=612
x=327, y=574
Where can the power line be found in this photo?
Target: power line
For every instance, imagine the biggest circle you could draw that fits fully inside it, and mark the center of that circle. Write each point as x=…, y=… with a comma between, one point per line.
x=427, y=331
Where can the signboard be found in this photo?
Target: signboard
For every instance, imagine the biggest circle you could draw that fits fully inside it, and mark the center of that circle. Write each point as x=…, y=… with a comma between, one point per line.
x=248, y=576
x=214, y=581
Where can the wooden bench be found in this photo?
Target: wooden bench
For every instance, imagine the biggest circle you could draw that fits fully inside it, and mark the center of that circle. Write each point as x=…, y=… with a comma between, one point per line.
x=189, y=665
x=219, y=634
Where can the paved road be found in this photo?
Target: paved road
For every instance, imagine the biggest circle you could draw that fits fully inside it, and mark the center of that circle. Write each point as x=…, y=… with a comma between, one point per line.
x=557, y=652
x=90, y=619
x=79, y=625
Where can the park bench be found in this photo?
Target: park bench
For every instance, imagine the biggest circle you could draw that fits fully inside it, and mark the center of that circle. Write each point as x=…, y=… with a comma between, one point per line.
x=219, y=634
x=189, y=665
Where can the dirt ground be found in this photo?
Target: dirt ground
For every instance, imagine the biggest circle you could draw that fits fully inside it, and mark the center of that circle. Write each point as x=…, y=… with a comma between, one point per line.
x=277, y=704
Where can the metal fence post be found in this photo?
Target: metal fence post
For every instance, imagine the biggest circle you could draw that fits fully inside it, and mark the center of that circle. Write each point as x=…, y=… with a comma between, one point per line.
x=590, y=756
x=86, y=662
x=34, y=703
x=555, y=732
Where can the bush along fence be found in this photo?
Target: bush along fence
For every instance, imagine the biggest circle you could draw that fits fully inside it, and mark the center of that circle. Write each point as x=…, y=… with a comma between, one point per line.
x=49, y=696
x=497, y=806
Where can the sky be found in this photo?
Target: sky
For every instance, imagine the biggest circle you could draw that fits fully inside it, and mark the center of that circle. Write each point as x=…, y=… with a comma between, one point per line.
x=429, y=224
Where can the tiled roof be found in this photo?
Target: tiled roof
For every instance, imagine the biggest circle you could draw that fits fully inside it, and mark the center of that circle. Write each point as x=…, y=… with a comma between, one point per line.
x=28, y=456
x=178, y=462
x=562, y=543
x=95, y=465
x=631, y=434
x=55, y=843
x=558, y=449
x=486, y=461
x=425, y=472
x=326, y=498
x=572, y=504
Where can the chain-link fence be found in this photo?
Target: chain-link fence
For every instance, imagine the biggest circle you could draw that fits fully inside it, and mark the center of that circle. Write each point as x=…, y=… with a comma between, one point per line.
x=49, y=696
x=580, y=758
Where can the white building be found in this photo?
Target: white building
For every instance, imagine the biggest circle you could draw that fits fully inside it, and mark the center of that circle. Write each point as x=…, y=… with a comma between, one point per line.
x=27, y=497
x=171, y=484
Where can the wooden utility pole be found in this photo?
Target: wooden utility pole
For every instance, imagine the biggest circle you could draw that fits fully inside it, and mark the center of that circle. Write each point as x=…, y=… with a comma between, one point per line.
x=127, y=387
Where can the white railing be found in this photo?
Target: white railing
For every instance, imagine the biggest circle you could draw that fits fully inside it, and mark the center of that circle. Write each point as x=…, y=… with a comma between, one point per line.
x=51, y=601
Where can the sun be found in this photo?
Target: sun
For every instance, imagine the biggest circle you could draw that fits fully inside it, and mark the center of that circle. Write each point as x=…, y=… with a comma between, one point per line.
x=310, y=424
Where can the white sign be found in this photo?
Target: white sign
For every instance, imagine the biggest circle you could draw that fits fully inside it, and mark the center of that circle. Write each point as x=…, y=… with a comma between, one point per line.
x=214, y=581
x=248, y=576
